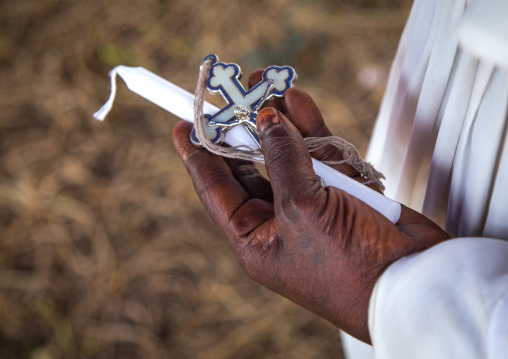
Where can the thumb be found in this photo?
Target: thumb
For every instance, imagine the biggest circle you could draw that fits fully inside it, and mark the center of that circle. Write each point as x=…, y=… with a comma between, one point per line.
x=287, y=160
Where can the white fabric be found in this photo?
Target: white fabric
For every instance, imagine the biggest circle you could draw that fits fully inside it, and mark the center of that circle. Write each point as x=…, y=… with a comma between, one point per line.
x=441, y=141
x=448, y=302
x=444, y=103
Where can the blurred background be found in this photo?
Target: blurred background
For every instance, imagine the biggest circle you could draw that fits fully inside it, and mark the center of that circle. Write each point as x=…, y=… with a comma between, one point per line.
x=105, y=250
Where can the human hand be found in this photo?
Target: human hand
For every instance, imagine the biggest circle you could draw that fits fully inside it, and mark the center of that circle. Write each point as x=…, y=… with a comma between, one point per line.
x=319, y=247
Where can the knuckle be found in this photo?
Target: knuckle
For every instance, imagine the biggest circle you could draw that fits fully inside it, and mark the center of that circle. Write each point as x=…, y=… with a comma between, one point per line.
x=212, y=178
x=321, y=130
x=330, y=153
x=279, y=148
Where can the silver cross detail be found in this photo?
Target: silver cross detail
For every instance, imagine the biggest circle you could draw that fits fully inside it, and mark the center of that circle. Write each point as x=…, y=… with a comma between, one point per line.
x=242, y=106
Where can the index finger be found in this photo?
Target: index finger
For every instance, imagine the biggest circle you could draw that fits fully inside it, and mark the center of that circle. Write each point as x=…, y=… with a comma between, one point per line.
x=213, y=181
x=223, y=196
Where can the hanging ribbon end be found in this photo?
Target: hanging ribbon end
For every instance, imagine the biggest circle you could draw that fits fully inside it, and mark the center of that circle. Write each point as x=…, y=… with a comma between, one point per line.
x=106, y=108
x=101, y=114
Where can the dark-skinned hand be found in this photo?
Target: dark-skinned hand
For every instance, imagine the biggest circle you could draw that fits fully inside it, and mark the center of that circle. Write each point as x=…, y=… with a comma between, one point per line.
x=317, y=246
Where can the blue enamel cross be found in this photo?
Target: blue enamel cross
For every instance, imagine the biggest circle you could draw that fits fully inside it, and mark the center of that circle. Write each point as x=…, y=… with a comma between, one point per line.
x=242, y=106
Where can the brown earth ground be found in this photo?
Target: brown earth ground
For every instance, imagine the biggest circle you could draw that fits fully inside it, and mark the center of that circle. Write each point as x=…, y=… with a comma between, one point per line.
x=105, y=250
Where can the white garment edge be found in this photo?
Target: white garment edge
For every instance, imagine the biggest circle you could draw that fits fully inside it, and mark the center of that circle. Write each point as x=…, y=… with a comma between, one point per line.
x=487, y=137
x=380, y=127
x=434, y=86
x=450, y=301
x=402, y=112
x=496, y=225
x=408, y=61
x=449, y=133
x=462, y=155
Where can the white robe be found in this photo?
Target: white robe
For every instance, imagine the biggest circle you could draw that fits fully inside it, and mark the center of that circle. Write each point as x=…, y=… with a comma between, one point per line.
x=441, y=140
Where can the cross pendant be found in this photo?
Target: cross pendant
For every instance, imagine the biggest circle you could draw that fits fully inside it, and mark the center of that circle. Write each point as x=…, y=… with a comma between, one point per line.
x=242, y=106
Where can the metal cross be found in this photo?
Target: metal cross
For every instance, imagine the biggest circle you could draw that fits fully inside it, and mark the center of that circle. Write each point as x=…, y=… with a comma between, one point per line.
x=242, y=106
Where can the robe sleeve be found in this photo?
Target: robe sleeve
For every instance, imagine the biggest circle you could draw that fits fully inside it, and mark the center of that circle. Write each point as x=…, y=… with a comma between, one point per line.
x=450, y=301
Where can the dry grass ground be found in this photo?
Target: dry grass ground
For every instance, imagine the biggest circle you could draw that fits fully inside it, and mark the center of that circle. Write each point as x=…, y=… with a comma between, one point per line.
x=105, y=251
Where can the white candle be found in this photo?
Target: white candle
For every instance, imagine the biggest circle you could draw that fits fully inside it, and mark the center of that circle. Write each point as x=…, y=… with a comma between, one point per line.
x=181, y=103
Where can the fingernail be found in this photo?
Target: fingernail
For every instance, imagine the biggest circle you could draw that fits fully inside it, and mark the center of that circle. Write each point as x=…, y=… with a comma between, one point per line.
x=266, y=118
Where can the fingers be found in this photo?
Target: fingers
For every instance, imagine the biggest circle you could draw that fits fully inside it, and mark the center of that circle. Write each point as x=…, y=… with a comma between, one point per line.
x=287, y=160
x=251, y=180
x=305, y=115
x=215, y=185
